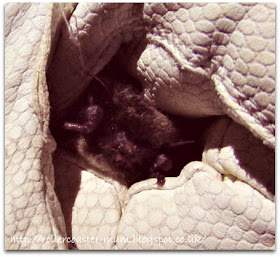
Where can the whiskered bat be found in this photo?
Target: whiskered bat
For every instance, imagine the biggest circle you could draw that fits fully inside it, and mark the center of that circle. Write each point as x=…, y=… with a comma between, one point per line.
x=128, y=132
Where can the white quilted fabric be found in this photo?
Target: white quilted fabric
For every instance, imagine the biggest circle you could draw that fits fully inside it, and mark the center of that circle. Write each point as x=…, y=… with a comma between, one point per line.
x=31, y=206
x=235, y=151
x=193, y=59
x=194, y=49
x=90, y=204
x=198, y=210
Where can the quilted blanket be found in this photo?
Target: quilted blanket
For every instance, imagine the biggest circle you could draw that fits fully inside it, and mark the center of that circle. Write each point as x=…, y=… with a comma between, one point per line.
x=194, y=60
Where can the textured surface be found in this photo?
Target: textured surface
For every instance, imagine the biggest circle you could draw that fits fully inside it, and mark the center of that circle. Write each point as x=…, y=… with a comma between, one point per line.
x=233, y=150
x=31, y=208
x=91, y=205
x=198, y=210
x=199, y=52
x=193, y=59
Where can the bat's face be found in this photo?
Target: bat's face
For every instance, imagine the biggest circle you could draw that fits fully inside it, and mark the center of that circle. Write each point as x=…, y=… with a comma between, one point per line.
x=110, y=130
x=132, y=136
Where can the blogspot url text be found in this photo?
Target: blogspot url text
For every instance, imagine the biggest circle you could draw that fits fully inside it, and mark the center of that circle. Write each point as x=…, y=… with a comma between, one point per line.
x=149, y=240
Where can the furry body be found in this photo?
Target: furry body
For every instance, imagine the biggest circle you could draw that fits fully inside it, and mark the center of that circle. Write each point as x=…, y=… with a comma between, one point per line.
x=128, y=132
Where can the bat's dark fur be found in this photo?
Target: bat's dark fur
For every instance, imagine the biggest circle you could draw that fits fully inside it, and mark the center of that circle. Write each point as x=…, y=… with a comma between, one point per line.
x=128, y=132
x=116, y=130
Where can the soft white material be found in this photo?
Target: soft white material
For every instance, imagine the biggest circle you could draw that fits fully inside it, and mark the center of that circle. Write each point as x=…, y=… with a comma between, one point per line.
x=192, y=59
x=233, y=150
x=194, y=50
x=32, y=211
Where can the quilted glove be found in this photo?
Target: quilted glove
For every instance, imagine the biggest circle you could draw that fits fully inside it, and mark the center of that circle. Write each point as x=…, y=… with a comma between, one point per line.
x=192, y=59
